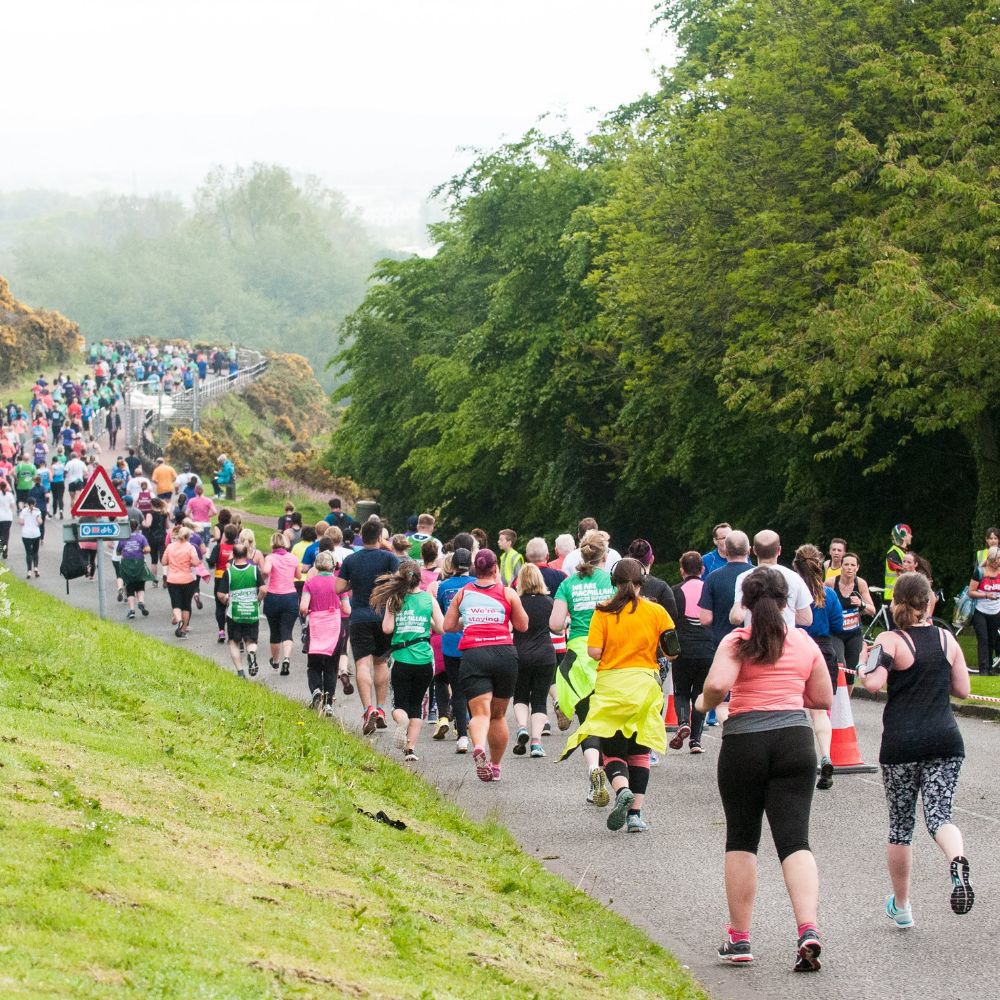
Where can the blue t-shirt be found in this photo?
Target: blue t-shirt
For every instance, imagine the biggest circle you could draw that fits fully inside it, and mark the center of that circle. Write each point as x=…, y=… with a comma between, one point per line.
x=718, y=595
x=828, y=619
x=447, y=589
x=712, y=561
x=309, y=556
x=360, y=570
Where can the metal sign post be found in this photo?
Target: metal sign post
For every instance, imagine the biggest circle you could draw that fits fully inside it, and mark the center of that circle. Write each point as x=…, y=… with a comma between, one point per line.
x=102, y=611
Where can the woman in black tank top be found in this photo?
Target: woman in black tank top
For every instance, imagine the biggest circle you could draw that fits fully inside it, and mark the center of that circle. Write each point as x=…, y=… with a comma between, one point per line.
x=855, y=601
x=922, y=748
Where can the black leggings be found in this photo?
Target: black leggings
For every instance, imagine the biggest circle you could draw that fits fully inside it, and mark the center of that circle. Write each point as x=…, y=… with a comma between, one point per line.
x=987, y=640
x=220, y=609
x=57, y=497
x=532, y=685
x=321, y=674
x=459, y=703
x=4, y=535
x=31, y=552
x=624, y=757
x=440, y=696
x=689, y=678
x=771, y=772
x=410, y=682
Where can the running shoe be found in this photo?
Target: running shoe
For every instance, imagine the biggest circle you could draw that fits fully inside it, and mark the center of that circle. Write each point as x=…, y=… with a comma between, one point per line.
x=368, y=721
x=563, y=721
x=399, y=736
x=462, y=746
x=710, y=719
x=432, y=717
x=380, y=718
x=274, y=664
x=735, y=952
x=197, y=601
x=410, y=757
x=252, y=664
x=345, y=683
x=902, y=915
x=484, y=769
x=121, y=594
x=547, y=728
x=328, y=710
x=317, y=700
x=600, y=793
x=677, y=743
x=807, y=957
x=695, y=747
x=537, y=750
x=496, y=771
x=143, y=610
x=441, y=731
x=179, y=632
x=184, y=634
x=520, y=742
x=618, y=814
x=37, y=574
x=636, y=824
x=131, y=614
x=962, y=896
x=825, y=774
x=285, y=668
x=222, y=635
x=653, y=759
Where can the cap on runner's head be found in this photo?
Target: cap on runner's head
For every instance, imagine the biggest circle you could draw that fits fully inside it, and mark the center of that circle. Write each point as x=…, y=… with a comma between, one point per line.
x=900, y=531
x=411, y=523
x=641, y=549
x=461, y=559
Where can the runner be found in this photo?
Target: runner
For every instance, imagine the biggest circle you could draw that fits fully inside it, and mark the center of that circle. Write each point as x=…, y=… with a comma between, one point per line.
x=164, y=478
x=697, y=649
x=219, y=554
x=573, y=558
x=324, y=609
x=58, y=479
x=410, y=615
x=855, y=601
x=132, y=569
x=922, y=747
x=369, y=643
x=827, y=620
x=281, y=605
x=576, y=675
x=563, y=545
x=30, y=519
x=179, y=561
x=487, y=610
x=536, y=661
x=444, y=591
x=984, y=589
x=831, y=567
x=157, y=524
x=768, y=762
x=626, y=708
x=913, y=562
x=8, y=510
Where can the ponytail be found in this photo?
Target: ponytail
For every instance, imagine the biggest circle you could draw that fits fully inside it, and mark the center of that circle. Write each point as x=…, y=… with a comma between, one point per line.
x=765, y=594
x=627, y=576
x=391, y=588
x=593, y=551
x=808, y=563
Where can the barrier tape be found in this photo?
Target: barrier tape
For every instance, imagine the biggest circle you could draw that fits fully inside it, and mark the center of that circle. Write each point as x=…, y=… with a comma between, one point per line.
x=972, y=697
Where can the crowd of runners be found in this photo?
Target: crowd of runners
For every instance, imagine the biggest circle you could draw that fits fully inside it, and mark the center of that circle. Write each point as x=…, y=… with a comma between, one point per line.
x=452, y=633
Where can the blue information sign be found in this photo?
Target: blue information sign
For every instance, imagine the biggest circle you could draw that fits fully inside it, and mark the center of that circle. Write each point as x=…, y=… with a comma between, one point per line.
x=91, y=530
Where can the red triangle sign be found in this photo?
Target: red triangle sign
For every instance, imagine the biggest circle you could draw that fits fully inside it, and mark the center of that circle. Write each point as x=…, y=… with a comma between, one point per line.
x=99, y=498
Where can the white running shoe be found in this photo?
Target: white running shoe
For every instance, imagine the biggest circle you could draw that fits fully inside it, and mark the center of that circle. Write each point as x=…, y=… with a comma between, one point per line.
x=462, y=746
x=399, y=736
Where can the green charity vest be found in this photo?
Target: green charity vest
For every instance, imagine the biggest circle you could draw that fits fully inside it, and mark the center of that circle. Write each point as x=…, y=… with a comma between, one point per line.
x=243, y=605
x=411, y=637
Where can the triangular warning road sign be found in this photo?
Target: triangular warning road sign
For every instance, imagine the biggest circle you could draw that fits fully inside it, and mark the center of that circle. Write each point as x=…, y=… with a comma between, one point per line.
x=99, y=498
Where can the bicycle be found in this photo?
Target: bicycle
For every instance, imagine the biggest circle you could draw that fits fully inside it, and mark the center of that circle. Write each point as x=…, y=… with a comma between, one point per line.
x=880, y=620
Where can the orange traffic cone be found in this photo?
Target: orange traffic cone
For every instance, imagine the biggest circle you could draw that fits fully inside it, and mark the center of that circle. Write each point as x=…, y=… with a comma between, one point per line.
x=670, y=714
x=844, y=750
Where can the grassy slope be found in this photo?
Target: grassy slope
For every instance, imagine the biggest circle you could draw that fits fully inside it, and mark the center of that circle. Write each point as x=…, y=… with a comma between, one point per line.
x=171, y=831
x=20, y=390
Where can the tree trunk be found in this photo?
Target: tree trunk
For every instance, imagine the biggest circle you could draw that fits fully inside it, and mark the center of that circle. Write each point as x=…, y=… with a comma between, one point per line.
x=985, y=443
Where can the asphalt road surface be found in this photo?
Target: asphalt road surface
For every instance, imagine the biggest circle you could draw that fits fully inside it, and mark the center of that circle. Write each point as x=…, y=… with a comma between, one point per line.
x=669, y=881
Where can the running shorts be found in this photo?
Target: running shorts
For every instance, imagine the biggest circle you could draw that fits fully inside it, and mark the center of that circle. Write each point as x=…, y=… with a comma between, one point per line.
x=489, y=670
x=368, y=639
x=181, y=594
x=242, y=631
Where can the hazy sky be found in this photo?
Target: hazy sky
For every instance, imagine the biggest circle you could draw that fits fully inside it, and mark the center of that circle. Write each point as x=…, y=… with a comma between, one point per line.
x=375, y=97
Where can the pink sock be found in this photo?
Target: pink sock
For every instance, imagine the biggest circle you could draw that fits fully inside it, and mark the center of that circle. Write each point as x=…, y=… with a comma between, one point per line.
x=807, y=927
x=736, y=936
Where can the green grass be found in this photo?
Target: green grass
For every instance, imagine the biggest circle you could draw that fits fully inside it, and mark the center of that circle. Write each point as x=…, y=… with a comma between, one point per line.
x=173, y=832
x=20, y=389
x=267, y=503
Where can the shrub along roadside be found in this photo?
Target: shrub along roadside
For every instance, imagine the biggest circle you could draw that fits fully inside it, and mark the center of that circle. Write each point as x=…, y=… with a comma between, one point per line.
x=172, y=831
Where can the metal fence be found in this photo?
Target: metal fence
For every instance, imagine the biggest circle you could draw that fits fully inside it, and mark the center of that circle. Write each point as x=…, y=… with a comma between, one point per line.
x=151, y=415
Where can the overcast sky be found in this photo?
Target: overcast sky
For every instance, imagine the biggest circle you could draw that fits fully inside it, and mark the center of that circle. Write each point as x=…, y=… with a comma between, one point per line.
x=375, y=97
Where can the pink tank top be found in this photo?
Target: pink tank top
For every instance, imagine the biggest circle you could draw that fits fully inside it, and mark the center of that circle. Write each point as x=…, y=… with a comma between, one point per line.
x=486, y=613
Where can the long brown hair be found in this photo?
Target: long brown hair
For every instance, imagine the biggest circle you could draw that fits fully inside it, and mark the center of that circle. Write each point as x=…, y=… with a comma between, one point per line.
x=765, y=594
x=910, y=596
x=808, y=563
x=628, y=573
x=391, y=588
x=593, y=551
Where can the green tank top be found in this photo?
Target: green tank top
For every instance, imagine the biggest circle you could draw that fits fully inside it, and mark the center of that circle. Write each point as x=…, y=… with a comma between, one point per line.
x=243, y=605
x=413, y=621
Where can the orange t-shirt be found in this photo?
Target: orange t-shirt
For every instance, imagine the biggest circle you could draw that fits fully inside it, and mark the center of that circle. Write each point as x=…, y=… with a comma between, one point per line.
x=631, y=639
x=163, y=477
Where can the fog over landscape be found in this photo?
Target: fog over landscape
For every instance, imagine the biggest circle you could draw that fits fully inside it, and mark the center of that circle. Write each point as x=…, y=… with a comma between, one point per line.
x=379, y=101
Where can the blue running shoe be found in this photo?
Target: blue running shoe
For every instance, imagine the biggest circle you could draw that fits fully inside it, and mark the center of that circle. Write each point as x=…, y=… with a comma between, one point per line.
x=902, y=915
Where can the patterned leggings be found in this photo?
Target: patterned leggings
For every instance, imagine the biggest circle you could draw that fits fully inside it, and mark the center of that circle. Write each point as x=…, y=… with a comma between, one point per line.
x=935, y=779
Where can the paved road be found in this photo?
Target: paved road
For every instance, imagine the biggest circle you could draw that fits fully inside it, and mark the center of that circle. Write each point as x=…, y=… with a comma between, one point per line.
x=670, y=881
